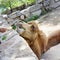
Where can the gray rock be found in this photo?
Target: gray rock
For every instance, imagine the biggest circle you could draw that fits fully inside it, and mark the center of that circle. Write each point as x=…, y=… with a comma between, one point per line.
x=53, y=53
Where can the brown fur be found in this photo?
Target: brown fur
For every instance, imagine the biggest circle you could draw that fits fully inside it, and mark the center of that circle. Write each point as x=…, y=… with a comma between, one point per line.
x=53, y=38
x=37, y=40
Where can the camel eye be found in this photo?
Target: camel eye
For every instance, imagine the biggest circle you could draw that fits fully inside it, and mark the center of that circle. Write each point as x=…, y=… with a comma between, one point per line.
x=33, y=27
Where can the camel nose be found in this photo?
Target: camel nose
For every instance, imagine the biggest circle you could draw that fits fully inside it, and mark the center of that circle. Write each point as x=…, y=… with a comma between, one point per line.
x=20, y=24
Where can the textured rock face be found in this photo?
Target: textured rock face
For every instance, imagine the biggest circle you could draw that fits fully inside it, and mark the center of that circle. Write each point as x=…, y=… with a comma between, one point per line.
x=14, y=47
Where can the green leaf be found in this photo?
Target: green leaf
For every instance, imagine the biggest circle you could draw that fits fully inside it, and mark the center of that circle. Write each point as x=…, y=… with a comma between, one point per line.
x=4, y=37
x=31, y=18
x=13, y=27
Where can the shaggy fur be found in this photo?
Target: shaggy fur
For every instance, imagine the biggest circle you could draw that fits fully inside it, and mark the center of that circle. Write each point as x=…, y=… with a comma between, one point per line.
x=53, y=39
x=37, y=40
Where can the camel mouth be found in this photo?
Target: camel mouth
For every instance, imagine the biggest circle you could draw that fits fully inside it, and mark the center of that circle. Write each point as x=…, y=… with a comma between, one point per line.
x=22, y=27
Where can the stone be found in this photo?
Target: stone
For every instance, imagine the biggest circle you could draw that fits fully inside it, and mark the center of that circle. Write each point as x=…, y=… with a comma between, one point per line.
x=14, y=47
x=36, y=13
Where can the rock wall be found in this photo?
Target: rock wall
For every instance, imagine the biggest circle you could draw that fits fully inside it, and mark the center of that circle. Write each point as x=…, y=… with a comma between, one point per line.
x=35, y=9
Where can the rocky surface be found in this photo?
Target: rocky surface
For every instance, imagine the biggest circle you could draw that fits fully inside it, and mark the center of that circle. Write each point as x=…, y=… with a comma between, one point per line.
x=14, y=47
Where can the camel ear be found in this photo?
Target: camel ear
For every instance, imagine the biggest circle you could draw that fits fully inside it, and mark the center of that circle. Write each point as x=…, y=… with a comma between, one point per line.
x=33, y=28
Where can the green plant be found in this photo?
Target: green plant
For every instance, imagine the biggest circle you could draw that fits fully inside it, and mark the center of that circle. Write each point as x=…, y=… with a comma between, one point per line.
x=10, y=4
x=31, y=18
x=4, y=37
x=2, y=8
x=14, y=26
x=45, y=12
